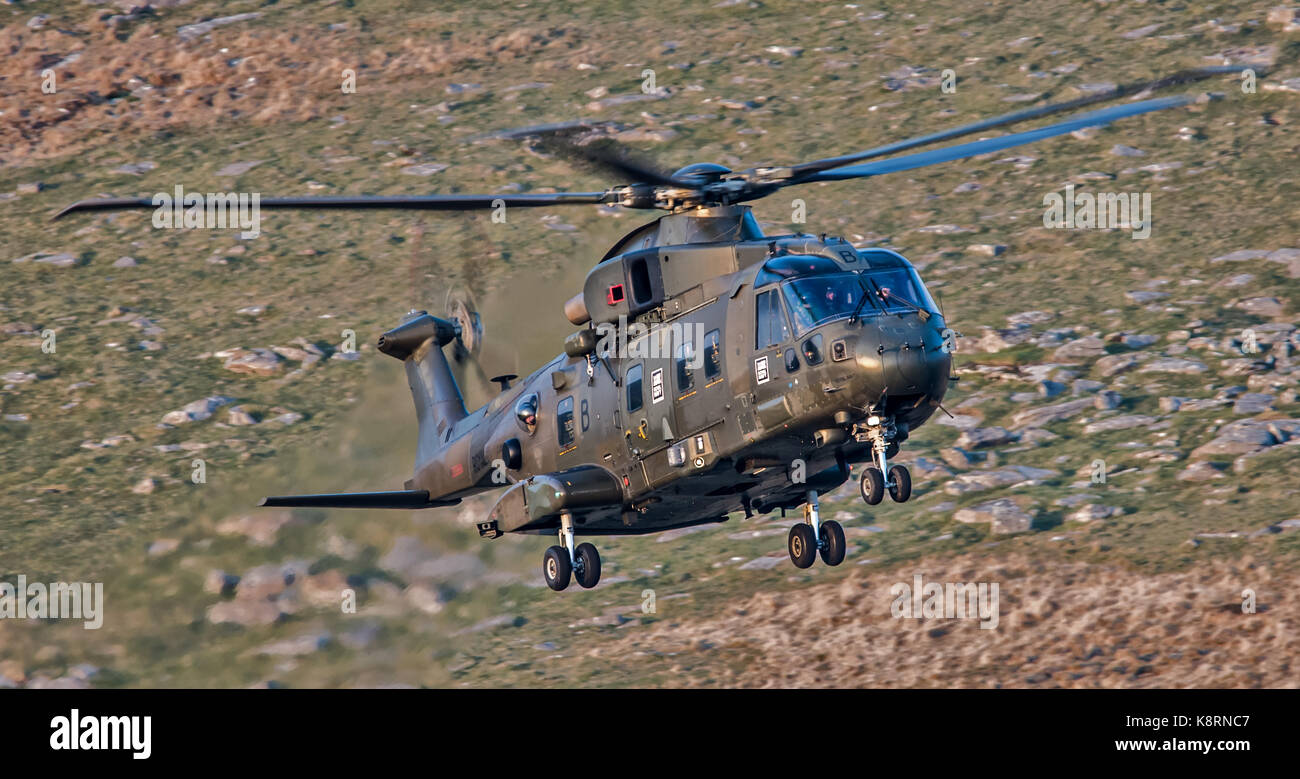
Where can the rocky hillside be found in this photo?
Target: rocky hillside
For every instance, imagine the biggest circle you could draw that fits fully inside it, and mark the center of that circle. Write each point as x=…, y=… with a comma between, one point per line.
x=1122, y=446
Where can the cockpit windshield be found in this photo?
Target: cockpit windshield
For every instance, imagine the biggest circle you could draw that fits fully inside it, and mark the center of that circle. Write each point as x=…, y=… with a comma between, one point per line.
x=813, y=300
x=898, y=289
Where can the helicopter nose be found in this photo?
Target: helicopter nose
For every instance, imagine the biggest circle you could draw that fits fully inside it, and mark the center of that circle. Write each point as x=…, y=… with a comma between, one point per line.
x=905, y=356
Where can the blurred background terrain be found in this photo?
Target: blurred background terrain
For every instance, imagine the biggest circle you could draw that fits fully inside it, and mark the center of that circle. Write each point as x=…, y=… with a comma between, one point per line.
x=182, y=345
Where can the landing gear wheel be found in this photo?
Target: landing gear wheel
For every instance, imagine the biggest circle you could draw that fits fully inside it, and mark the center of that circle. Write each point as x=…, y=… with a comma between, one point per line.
x=900, y=483
x=802, y=547
x=872, y=486
x=833, y=547
x=588, y=570
x=556, y=568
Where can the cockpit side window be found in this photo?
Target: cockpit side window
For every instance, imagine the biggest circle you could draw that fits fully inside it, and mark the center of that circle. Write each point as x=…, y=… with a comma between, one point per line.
x=564, y=433
x=770, y=323
x=634, y=388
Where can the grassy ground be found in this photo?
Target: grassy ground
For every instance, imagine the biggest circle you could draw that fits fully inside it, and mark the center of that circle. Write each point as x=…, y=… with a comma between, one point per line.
x=265, y=90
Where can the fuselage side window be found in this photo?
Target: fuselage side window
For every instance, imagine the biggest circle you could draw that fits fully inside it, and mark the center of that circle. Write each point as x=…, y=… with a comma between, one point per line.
x=712, y=355
x=684, y=355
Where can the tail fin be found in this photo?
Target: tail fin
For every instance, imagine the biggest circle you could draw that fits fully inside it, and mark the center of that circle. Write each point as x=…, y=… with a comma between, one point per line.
x=418, y=342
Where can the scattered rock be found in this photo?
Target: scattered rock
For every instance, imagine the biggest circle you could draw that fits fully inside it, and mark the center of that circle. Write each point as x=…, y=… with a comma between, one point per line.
x=944, y=229
x=984, y=437
x=1259, y=306
x=163, y=546
x=260, y=529
x=1248, y=435
x=491, y=623
x=1081, y=349
x=1037, y=417
x=1174, y=365
x=960, y=458
x=1145, y=296
x=1008, y=476
x=191, y=31
x=764, y=563
x=410, y=558
x=136, y=168
x=245, y=612
x=1241, y=255
x=238, y=168
x=1202, y=471
x=1141, y=32
x=1123, y=422
x=1288, y=19
x=238, y=416
x=1253, y=403
x=219, y=582
x=1050, y=389
x=1003, y=515
x=62, y=260
x=197, y=411
x=987, y=249
x=424, y=169
x=295, y=647
x=256, y=362
x=785, y=51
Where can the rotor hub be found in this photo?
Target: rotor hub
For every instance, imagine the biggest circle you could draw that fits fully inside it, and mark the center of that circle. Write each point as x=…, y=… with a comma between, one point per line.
x=705, y=172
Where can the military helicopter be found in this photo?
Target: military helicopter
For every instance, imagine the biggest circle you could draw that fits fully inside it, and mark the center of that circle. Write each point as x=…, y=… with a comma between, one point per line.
x=717, y=369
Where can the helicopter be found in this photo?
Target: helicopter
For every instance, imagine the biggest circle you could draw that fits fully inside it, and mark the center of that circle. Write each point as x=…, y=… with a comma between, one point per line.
x=716, y=369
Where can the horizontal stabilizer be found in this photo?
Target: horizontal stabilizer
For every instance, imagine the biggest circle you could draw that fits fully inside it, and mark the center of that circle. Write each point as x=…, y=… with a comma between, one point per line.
x=403, y=499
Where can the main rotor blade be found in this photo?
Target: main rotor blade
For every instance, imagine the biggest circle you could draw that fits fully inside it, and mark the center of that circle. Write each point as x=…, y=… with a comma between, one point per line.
x=1182, y=77
x=961, y=151
x=408, y=202
x=604, y=154
x=617, y=160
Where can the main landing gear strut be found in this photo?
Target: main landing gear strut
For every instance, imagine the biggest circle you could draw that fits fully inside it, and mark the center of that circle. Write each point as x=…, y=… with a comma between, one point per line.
x=881, y=432
x=564, y=561
x=813, y=537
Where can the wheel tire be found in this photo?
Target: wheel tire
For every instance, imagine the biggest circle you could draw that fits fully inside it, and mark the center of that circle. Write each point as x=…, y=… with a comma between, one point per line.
x=588, y=571
x=556, y=568
x=833, y=551
x=901, y=489
x=872, y=486
x=802, y=547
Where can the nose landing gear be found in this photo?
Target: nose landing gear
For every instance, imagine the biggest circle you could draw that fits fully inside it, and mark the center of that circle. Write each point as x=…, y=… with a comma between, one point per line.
x=814, y=537
x=878, y=478
x=564, y=561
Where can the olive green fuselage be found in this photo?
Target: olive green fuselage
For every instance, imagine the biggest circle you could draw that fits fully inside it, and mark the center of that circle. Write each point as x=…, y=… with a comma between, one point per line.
x=643, y=434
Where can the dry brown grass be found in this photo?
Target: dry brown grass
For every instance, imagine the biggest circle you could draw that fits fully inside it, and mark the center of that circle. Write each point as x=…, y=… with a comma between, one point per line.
x=1073, y=625
x=153, y=81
